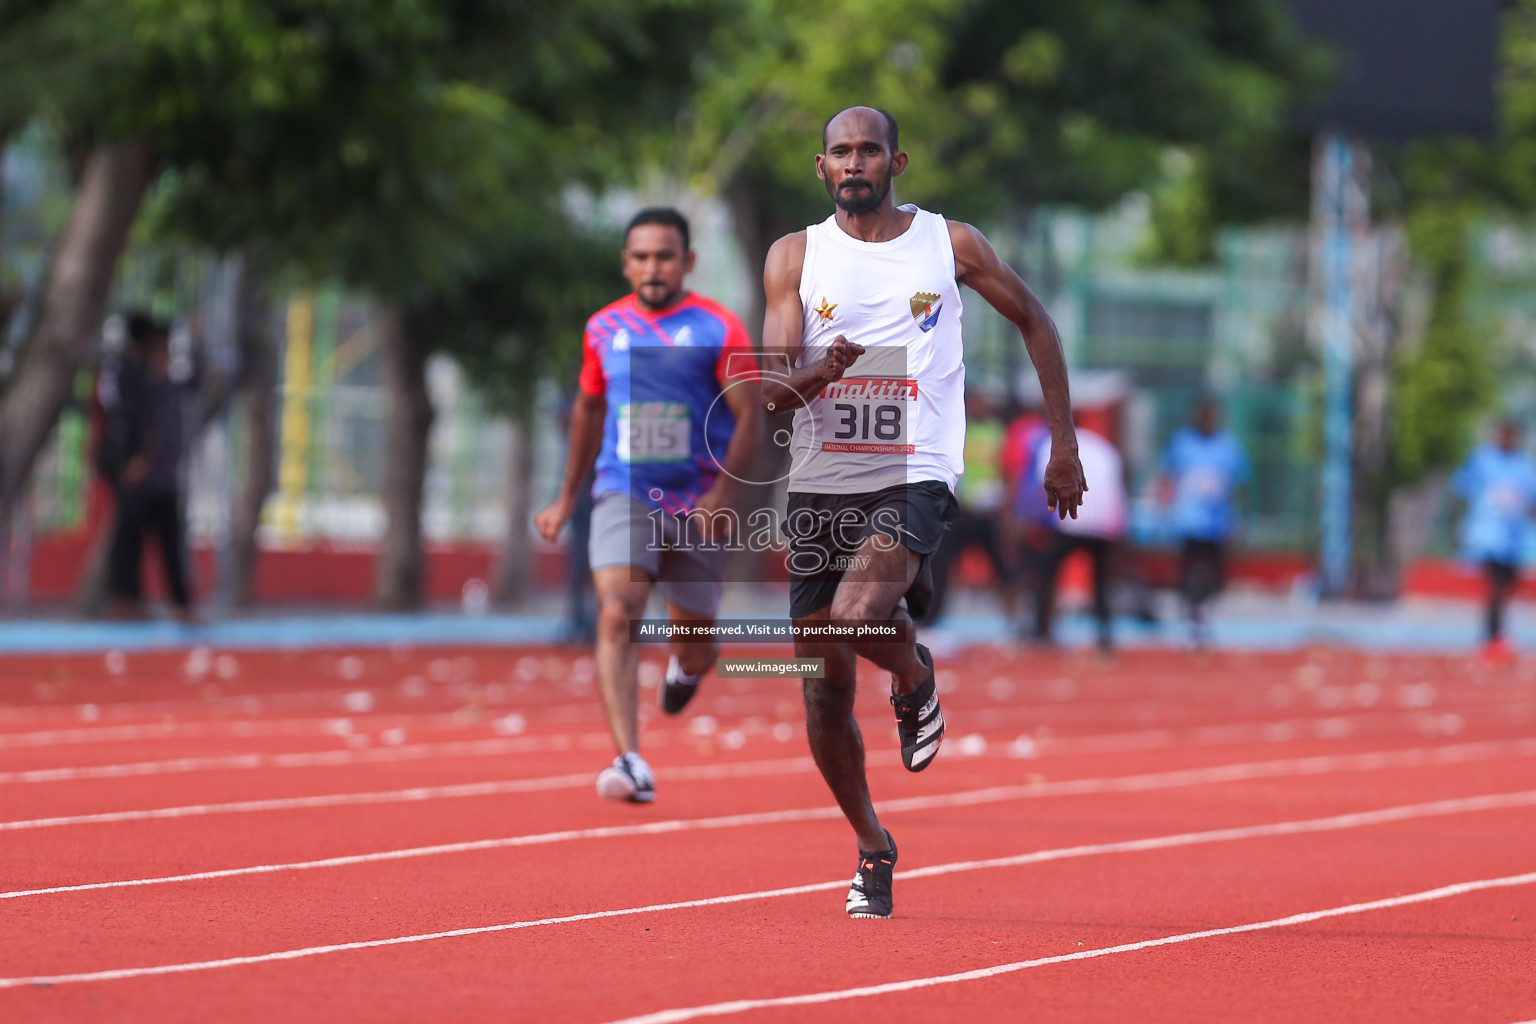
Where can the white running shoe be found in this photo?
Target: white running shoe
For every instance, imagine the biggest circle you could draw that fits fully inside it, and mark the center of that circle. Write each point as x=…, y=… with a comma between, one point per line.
x=628, y=778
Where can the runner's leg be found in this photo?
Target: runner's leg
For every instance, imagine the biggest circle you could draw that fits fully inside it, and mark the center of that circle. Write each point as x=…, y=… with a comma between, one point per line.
x=1501, y=583
x=1102, y=552
x=1057, y=547
x=621, y=597
x=837, y=746
x=1189, y=583
x=694, y=658
x=869, y=592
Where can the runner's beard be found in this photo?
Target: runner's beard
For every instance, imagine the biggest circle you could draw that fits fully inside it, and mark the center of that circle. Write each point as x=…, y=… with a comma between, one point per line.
x=862, y=202
x=649, y=289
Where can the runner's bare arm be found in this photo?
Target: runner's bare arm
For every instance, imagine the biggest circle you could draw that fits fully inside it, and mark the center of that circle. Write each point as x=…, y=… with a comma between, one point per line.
x=977, y=266
x=783, y=317
x=586, y=440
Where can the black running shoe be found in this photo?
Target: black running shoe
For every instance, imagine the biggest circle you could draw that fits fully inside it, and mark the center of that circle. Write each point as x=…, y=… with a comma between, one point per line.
x=677, y=689
x=919, y=722
x=870, y=894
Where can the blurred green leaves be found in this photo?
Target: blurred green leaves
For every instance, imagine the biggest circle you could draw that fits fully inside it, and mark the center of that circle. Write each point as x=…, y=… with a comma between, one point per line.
x=1003, y=104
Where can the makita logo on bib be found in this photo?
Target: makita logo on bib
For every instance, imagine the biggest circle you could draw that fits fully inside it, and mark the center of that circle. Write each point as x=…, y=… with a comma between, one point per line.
x=871, y=389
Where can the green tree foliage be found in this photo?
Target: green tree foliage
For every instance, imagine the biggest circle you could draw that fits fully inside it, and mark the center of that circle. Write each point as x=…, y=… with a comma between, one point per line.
x=1079, y=102
x=1446, y=382
x=391, y=144
x=1003, y=103
x=394, y=144
x=521, y=316
x=1440, y=386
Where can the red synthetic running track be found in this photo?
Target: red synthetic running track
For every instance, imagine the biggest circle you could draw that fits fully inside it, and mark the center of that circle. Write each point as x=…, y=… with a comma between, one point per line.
x=412, y=835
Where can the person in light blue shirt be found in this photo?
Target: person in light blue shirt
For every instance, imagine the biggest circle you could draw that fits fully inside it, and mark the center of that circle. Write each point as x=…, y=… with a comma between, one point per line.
x=1498, y=483
x=1201, y=470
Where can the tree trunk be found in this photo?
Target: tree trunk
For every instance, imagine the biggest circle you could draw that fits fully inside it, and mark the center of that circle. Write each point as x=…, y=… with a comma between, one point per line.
x=15, y=560
x=10, y=301
x=1415, y=512
x=1380, y=279
x=257, y=393
x=91, y=588
x=399, y=577
x=762, y=211
x=514, y=569
x=5, y=558
x=111, y=189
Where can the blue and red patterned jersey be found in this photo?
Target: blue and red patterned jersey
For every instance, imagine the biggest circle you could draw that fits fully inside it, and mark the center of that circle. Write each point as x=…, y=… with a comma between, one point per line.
x=667, y=428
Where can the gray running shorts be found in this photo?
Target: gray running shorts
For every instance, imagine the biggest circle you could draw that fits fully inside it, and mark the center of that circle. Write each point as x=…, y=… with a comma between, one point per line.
x=624, y=533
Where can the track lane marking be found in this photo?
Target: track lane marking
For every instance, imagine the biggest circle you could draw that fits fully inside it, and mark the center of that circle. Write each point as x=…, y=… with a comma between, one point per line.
x=1354, y=819
x=318, y=723
x=244, y=728
x=742, y=1005
x=1413, y=757
x=305, y=759
x=1072, y=787
x=741, y=769
x=1327, y=727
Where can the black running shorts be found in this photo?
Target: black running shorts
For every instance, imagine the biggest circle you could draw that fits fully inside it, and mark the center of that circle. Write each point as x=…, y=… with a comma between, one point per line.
x=826, y=530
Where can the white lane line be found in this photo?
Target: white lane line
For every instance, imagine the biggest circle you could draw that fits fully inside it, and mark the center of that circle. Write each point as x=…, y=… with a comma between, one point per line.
x=418, y=794
x=1074, y=787
x=743, y=1005
x=162, y=730
x=319, y=725
x=743, y=769
x=1224, y=773
x=1339, y=822
x=302, y=759
x=1335, y=727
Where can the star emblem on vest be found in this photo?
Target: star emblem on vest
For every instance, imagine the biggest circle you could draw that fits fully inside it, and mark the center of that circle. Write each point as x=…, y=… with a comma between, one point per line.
x=825, y=310
x=925, y=310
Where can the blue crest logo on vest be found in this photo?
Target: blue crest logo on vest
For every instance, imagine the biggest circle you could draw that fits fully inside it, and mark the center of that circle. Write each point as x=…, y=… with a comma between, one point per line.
x=925, y=310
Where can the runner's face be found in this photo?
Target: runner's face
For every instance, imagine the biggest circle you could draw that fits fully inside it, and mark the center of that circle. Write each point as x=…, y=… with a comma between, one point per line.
x=655, y=264
x=858, y=165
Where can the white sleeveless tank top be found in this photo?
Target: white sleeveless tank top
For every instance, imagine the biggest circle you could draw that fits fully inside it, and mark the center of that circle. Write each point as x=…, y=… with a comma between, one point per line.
x=898, y=414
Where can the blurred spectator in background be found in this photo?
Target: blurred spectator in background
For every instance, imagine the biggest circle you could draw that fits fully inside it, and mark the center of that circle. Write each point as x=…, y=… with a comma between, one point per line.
x=1025, y=536
x=1098, y=529
x=983, y=497
x=1498, y=483
x=1201, y=471
x=141, y=455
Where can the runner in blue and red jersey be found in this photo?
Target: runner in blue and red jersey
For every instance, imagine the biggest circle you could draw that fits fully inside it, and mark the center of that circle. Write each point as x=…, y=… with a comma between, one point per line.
x=668, y=411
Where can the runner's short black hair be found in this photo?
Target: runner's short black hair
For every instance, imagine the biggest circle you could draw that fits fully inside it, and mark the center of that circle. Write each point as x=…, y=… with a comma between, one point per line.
x=663, y=215
x=144, y=328
x=892, y=135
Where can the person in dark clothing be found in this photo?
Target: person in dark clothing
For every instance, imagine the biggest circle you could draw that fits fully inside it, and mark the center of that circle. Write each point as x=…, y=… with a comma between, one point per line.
x=982, y=494
x=1098, y=529
x=141, y=455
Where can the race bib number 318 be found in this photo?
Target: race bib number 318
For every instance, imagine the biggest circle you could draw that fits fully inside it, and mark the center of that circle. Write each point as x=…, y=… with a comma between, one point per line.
x=869, y=415
x=653, y=432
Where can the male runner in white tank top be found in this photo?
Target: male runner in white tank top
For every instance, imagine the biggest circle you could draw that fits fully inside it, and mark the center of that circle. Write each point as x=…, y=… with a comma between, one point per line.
x=867, y=305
